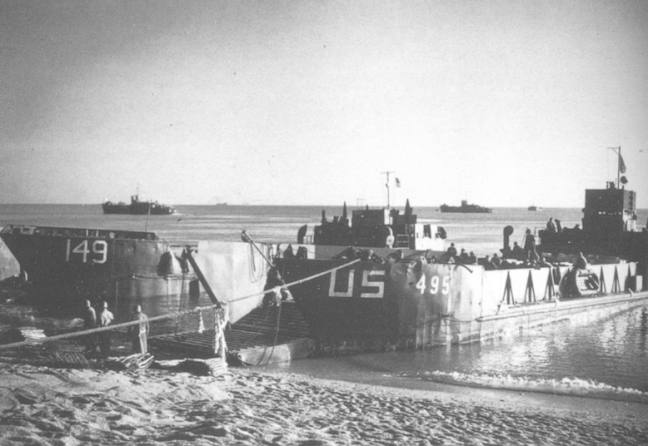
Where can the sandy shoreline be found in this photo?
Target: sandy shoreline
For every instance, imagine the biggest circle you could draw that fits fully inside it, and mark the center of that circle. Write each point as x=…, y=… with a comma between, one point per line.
x=247, y=406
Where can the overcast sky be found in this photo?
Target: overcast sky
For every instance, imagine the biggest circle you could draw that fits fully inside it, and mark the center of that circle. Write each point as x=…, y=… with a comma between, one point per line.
x=503, y=103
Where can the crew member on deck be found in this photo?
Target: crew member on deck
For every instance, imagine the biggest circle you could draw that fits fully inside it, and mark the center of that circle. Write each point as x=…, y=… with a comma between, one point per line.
x=551, y=226
x=463, y=256
x=530, y=246
x=517, y=251
x=452, y=251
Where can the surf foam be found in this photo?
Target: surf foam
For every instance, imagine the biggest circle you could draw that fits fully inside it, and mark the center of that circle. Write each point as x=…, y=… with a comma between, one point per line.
x=573, y=386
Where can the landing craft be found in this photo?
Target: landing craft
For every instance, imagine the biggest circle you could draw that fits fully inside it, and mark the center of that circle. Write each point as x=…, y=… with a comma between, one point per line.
x=67, y=265
x=394, y=294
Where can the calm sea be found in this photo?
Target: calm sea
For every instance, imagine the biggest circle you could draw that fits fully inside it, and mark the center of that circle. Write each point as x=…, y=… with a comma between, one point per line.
x=607, y=358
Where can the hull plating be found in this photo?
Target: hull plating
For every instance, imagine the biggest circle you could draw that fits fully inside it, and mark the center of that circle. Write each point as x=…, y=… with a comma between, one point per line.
x=411, y=304
x=66, y=265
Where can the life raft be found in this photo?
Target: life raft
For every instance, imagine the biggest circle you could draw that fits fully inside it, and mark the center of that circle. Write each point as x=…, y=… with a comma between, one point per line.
x=580, y=283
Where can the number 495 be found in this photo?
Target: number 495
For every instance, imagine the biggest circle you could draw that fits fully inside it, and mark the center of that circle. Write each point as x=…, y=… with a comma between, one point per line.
x=434, y=284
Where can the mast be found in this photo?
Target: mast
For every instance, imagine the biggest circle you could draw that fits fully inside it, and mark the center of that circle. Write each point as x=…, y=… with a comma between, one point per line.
x=387, y=173
x=148, y=214
x=619, y=168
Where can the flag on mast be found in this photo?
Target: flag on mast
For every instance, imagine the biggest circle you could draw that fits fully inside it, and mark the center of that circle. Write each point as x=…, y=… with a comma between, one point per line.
x=622, y=166
x=397, y=182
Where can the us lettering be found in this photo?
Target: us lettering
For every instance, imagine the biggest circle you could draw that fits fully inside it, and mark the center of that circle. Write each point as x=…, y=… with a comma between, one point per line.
x=372, y=285
x=333, y=283
x=379, y=286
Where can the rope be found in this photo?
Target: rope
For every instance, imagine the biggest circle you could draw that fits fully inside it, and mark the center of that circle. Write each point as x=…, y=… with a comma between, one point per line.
x=94, y=330
x=266, y=355
x=168, y=315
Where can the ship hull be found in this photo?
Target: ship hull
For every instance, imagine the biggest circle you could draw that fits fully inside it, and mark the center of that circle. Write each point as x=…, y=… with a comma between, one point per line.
x=452, y=209
x=65, y=266
x=372, y=306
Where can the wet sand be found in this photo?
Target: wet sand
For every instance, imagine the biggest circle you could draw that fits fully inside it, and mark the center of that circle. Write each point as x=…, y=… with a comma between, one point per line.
x=40, y=405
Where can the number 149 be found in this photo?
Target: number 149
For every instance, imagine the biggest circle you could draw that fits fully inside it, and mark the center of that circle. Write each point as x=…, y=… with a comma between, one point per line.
x=95, y=252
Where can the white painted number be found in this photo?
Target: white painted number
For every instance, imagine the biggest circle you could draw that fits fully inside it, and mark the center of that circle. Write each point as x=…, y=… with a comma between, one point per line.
x=420, y=285
x=82, y=248
x=434, y=284
x=446, y=285
x=95, y=253
x=100, y=247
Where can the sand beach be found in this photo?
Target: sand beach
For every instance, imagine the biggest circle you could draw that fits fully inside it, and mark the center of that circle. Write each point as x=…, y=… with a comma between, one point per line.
x=41, y=405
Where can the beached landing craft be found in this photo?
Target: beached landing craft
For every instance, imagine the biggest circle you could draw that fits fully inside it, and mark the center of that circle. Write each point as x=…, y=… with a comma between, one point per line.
x=405, y=301
x=64, y=266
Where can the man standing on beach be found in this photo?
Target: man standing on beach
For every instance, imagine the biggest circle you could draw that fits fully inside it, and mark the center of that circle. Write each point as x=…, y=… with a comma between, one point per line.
x=140, y=332
x=89, y=322
x=105, y=318
x=220, y=346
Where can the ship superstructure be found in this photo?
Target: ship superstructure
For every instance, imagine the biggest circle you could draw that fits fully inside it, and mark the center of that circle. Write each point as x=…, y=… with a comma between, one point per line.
x=609, y=227
x=376, y=228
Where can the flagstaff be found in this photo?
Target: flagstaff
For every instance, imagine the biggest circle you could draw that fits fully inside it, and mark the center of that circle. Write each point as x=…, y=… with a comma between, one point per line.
x=621, y=168
x=387, y=173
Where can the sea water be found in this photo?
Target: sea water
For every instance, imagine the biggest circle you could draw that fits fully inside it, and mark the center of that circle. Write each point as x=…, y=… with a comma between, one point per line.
x=608, y=358
x=605, y=359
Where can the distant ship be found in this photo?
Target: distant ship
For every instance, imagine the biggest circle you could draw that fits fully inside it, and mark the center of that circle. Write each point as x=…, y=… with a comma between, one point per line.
x=465, y=208
x=137, y=207
x=532, y=208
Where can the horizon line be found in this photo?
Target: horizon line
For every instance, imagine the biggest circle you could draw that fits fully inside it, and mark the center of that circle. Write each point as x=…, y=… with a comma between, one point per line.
x=227, y=204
